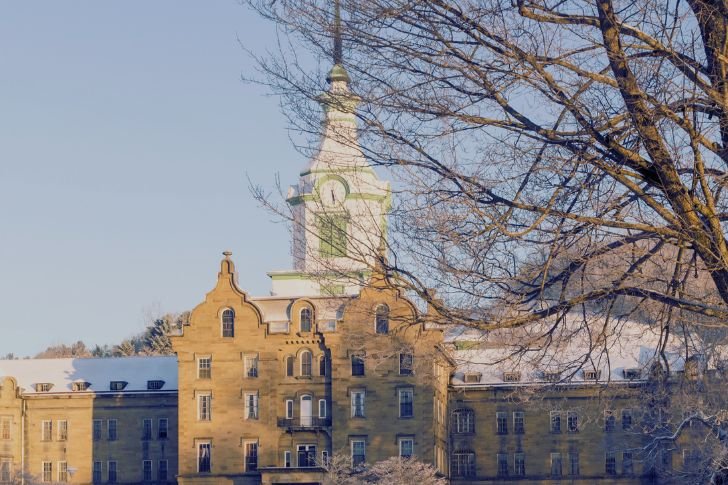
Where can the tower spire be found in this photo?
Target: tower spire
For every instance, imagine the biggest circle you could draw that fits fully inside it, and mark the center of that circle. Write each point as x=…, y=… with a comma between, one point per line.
x=337, y=33
x=337, y=73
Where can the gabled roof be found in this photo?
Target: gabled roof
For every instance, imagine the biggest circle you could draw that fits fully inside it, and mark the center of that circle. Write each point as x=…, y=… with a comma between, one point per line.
x=98, y=372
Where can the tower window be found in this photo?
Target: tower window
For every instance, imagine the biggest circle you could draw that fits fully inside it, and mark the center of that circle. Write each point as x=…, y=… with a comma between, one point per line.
x=306, y=320
x=332, y=230
x=228, y=323
x=382, y=319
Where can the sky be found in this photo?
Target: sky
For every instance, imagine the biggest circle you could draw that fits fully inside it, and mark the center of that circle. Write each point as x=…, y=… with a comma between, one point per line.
x=126, y=142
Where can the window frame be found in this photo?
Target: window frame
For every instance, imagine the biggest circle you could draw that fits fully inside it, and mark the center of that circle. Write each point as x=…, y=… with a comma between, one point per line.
x=464, y=420
x=199, y=445
x=227, y=325
x=309, y=319
x=519, y=464
x=358, y=369
x=572, y=421
x=290, y=366
x=46, y=471
x=402, y=403
x=610, y=463
x=501, y=464
x=97, y=472
x=358, y=410
x=381, y=319
x=6, y=432
x=401, y=442
x=627, y=424
x=556, y=471
x=62, y=430
x=555, y=422
x=406, y=369
x=147, y=429
x=255, y=406
x=162, y=471
x=306, y=368
x=165, y=428
x=462, y=464
x=501, y=422
x=574, y=466
x=204, y=367
x=112, y=432
x=519, y=422
x=150, y=476
x=289, y=408
x=352, y=446
x=46, y=430
x=250, y=461
x=112, y=467
x=322, y=407
x=201, y=397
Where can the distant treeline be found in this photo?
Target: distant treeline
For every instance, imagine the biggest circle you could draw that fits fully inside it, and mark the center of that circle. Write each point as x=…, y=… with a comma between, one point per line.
x=154, y=340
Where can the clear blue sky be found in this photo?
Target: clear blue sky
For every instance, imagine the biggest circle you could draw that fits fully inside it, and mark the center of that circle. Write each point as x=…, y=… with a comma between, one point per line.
x=125, y=139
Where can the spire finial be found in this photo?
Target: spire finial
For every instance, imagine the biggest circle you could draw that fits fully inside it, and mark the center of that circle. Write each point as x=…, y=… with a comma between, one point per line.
x=337, y=33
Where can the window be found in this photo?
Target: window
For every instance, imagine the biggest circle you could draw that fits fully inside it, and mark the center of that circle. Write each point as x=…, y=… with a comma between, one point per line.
x=406, y=360
x=632, y=374
x=306, y=455
x=519, y=464
x=97, y=430
x=204, y=368
x=43, y=387
x=289, y=366
x=555, y=464
x=518, y=422
x=62, y=467
x=228, y=323
x=287, y=459
x=555, y=422
x=357, y=365
x=147, y=429
x=626, y=419
x=5, y=427
x=117, y=385
x=609, y=421
x=305, y=320
x=62, y=426
x=627, y=463
x=572, y=421
x=322, y=408
x=591, y=375
x=552, y=376
x=163, y=431
x=46, y=430
x=511, y=376
x=80, y=386
x=464, y=421
x=573, y=463
x=322, y=365
x=111, y=430
x=406, y=403
x=463, y=464
x=357, y=404
x=358, y=452
x=305, y=363
x=204, y=407
x=289, y=409
x=155, y=385
x=111, y=468
x=406, y=447
x=501, y=423
x=610, y=463
x=381, y=318
x=251, y=365
x=97, y=473
x=204, y=457
x=47, y=471
x=163, y=471
x=6, y=470
x=147, y=470
x=472, y=377
x=325, y=462
x=502, y=463
x=251, y=405
x=251, y=456
x=333, y=236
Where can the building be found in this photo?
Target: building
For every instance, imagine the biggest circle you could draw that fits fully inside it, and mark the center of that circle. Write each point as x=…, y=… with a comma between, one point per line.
x=264, y=390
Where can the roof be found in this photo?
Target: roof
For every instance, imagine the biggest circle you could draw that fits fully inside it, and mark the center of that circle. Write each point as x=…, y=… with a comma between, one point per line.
x=98, y=372
x=624, y=352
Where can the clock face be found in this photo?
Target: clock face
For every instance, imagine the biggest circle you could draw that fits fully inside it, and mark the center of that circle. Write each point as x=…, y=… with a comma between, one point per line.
x=332, y=193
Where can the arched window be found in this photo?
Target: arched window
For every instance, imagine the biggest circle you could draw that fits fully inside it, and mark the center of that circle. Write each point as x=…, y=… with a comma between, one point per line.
x=289, y=366
x=306, y=320
x=382, y=319
x=228, y=323
x=305, y=363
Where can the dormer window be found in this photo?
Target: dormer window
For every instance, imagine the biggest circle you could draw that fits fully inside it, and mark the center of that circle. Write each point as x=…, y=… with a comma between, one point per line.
x=43, y=387
x=592, y=375
x=117, y=385
x=472, y=377
x=306, y=320
x=511, y=376
x=155, y=385
x=228, y=323
x=632, y=374
x=381, y=319
x=552, y=376
x=80, y=386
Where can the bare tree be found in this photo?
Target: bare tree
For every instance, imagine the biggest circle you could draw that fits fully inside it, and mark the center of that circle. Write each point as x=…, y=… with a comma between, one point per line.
x=392, y=471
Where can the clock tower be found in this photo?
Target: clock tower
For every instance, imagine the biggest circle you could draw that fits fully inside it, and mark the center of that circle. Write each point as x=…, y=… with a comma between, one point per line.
x=339, y=206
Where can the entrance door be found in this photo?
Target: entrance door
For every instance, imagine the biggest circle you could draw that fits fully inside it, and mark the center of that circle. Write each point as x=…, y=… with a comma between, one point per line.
x=306, y=410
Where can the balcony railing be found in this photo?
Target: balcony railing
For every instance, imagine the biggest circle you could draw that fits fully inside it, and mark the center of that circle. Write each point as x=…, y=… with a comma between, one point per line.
x=298, y=422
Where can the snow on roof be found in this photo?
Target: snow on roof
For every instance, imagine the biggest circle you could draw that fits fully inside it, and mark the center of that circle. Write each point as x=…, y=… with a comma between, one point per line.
x=278, y=309
x=98, y=372
x=575, y=352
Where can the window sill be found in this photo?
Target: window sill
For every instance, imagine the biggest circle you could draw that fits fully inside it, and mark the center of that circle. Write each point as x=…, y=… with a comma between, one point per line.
x=406, y=417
